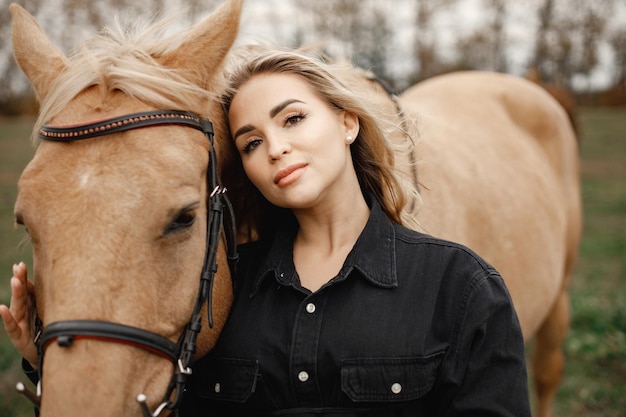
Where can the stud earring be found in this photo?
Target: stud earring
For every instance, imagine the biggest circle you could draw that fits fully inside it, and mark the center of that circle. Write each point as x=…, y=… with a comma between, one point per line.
x=349, y=139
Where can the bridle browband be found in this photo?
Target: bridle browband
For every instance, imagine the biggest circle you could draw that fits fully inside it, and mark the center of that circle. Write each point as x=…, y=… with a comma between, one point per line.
x=180, y=354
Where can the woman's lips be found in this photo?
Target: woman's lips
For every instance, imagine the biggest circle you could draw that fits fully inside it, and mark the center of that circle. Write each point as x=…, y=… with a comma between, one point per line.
x=289, y=175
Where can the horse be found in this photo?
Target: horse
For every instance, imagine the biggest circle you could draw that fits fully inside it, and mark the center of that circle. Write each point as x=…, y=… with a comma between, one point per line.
x=498, y=172
x=127, y=218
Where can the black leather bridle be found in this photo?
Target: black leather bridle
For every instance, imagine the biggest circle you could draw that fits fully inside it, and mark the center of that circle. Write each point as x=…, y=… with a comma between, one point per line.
x=64, y=333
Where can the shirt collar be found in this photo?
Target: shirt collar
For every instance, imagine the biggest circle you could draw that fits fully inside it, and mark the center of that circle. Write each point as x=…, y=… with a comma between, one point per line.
x=373, y=255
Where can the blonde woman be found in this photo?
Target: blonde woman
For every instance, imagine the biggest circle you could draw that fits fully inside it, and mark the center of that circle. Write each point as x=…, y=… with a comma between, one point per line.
x=341, y=308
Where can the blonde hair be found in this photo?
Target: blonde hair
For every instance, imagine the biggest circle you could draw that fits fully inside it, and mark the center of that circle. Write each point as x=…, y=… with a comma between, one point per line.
x=373, y=153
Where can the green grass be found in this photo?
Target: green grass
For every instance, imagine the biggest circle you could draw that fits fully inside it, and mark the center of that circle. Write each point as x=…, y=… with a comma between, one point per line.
x=595, y=377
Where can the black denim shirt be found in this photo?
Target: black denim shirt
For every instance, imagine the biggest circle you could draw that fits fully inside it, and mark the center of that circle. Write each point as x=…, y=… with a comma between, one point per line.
x=411, y=326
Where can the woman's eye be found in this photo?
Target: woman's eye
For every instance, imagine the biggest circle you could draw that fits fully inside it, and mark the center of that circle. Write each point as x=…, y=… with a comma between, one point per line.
x=182, y=221
x=251, y=145
x=294, y=119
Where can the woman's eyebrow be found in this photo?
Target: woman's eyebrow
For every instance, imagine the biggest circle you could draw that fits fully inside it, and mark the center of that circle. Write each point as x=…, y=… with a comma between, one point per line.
x=242, y=130
x=277, y=109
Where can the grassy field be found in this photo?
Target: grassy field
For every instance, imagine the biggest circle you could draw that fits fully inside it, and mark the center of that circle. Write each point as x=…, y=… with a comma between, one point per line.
x=595, y=378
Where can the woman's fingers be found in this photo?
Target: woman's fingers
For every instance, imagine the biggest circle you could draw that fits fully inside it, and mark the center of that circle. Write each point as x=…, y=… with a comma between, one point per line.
x=20, y=305
x=20, y=271
x=10, y=325
x=17, y=317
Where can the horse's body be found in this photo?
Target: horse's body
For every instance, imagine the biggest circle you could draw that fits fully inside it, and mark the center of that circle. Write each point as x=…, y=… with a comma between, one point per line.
x=497, y=167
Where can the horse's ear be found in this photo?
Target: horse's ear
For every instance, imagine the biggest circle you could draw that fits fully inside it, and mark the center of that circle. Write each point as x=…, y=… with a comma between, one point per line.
x=38, y=57
x=204, y=49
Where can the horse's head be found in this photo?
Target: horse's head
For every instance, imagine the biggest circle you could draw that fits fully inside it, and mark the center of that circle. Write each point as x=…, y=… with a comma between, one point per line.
x=118, y=222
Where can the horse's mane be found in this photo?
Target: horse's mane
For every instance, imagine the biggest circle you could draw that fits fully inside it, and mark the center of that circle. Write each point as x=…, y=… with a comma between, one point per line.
x=125, y=57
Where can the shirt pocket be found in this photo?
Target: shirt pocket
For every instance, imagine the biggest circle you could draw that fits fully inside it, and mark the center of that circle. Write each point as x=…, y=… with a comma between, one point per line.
x=389, y=379
x=227, y=379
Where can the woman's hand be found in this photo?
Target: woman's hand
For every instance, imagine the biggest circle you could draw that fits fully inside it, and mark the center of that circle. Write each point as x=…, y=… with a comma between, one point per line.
x=17, y=318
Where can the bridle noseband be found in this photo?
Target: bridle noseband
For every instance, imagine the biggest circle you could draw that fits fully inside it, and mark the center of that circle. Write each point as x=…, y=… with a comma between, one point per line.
x=180, y=354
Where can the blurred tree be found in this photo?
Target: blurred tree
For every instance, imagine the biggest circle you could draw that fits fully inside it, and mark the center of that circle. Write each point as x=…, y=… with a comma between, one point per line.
x=485, y=48
x=12, y=82
x=617, y=40
x=358, y=29
x=593, y=24
x=498, y=30
x=568, y=37
x=425, y=47
x=542, y=48
x=617, y=93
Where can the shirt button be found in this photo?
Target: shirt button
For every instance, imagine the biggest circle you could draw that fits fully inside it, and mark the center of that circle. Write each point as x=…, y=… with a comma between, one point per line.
x=303, y=376
x=218, y=388
x=310, y=308
x=396, y=388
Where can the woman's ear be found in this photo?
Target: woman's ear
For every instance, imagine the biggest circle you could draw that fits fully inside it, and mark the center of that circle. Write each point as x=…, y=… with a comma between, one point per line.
x=350, y=123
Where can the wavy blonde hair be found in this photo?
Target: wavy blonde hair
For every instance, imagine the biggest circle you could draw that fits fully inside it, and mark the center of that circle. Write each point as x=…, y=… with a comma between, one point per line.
x=373, y=152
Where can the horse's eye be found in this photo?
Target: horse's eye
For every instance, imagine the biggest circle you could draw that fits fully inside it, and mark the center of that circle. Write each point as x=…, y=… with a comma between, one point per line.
x=184, y=220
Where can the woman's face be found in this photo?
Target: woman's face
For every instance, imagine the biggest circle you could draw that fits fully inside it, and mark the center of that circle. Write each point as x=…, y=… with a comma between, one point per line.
x=292, y=143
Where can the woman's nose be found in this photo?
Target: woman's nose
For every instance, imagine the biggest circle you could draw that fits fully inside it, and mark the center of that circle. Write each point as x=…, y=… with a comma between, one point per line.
x=278, y=148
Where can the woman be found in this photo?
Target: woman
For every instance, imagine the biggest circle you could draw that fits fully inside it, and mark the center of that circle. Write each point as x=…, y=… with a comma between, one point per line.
x=340, y=308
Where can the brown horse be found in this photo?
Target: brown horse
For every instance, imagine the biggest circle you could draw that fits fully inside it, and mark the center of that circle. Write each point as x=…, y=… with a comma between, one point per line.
x=498, y=172
x=117, y=211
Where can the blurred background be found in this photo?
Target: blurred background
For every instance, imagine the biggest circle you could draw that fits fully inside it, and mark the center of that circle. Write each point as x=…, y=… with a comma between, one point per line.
x=576, y=49
x=577, y=44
